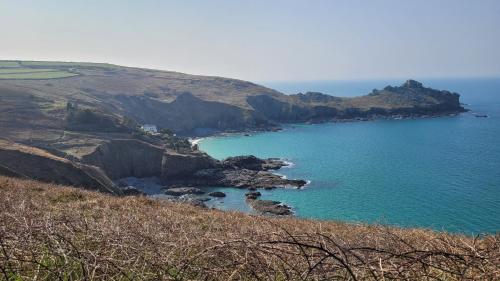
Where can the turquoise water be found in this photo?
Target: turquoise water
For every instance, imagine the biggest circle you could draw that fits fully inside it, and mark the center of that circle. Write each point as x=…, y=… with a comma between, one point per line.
x=440, y=173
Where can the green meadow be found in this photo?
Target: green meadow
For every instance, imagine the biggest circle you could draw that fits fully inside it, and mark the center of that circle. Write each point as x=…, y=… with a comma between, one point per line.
x=52, y=74
x=9, y=64
x=34, y=70
x=24, y=70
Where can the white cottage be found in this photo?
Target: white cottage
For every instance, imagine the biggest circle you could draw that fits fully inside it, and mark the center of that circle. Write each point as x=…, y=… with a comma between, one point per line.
x=149, y=128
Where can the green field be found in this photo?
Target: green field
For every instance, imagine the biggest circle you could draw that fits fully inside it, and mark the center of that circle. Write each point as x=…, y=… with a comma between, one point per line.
x=65, y=64
x=24, y=70
x=37, y=75
x=9, y=64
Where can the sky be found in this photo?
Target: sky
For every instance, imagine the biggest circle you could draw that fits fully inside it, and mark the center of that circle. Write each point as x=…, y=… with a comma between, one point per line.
x=268, y=40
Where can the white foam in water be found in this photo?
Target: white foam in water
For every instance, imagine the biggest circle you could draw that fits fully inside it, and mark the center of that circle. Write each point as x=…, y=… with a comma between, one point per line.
x=195, y=141
x=288, y=164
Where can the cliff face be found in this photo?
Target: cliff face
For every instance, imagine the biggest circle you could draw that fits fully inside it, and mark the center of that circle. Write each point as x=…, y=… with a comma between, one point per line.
x=134, y=158
x=188, y=114
x=27, y=162
x=175, y=165
x=126, y=158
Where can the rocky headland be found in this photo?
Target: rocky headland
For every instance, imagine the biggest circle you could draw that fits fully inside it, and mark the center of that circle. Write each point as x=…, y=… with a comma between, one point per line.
x=84, y=130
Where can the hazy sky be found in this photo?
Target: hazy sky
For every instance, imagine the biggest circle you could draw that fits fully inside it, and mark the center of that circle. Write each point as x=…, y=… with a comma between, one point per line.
x=262, y=40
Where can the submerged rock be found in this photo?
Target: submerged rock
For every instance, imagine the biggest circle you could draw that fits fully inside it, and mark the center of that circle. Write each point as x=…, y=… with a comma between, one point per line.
x=217, y=194
x=252, y=195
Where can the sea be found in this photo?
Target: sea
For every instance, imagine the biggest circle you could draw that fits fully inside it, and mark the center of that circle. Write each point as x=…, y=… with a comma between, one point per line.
x=439, y=173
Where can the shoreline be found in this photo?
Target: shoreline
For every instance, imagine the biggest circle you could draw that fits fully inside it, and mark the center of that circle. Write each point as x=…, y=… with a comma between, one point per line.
x=196, y=139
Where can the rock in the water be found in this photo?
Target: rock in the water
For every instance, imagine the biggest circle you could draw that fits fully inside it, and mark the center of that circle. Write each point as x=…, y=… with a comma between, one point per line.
x=252, y=195
x=246, y=162
x=273, y=164
x=259, y=179
x=251, y=162
x=178, y=191
x=270, y=207
x=217, y=194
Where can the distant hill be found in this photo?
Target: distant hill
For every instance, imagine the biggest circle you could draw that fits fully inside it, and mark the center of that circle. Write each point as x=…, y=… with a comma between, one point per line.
x=41, y=96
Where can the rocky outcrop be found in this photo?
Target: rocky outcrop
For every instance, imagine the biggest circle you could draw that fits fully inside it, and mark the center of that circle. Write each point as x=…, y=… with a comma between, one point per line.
x=240, y=178
x=133, y=158
x=175, y=165
x=33, y=163
x=411, y=99
x=269, y=207
x=415, y=99
x=245, y=178
x=251, y=162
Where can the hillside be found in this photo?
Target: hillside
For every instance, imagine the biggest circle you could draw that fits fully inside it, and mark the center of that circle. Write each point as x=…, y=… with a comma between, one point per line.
x=79, y=123
x=41, y=96
x=50, y=232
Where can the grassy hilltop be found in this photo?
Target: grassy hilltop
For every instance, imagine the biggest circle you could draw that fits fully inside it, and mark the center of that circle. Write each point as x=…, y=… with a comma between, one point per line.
x=50, y=232
x=35, y=95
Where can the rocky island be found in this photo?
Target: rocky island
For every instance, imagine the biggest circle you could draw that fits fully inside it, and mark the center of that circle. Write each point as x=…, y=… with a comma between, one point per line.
x=84, y=128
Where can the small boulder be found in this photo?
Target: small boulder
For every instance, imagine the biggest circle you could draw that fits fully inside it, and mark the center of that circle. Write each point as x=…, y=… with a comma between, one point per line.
x=271, y=207
x=252, y=195
x=217, y=194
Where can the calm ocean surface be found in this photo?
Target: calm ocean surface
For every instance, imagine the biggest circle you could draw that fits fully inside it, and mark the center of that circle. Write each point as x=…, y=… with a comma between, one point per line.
x=440, y=173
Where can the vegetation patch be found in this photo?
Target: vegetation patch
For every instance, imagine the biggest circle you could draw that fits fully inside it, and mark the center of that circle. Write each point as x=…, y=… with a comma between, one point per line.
x=37, y=75
x=86, y=119
x=9, y=64
x=24, y=70
x=50, y=232
x=65, y=64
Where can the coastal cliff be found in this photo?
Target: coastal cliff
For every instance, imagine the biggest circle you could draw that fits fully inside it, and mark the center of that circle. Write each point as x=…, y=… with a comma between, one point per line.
x=33, y=163
x=84, y=129
x=123, y=158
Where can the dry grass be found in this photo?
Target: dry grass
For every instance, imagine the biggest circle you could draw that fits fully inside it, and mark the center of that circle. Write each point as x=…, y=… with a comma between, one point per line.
x=49, y=232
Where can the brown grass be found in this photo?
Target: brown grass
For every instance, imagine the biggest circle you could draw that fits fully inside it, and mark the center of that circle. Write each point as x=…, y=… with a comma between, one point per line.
x=49, y=232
